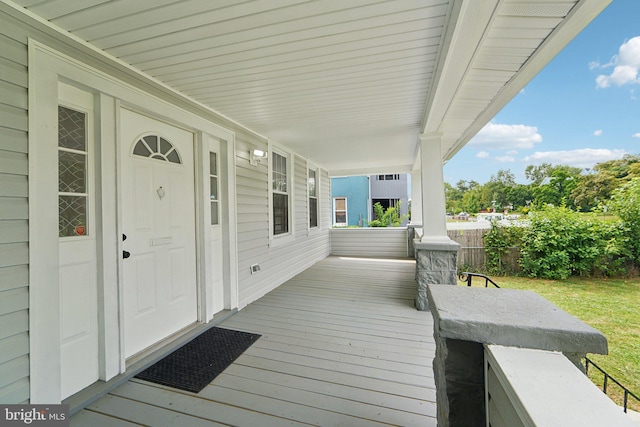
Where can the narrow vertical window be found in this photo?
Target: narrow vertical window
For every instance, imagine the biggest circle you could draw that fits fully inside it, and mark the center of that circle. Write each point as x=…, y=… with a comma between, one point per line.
x=213, y=188
x=312, y=188
x=280, y=192
x=340, y=211
x=72, y=173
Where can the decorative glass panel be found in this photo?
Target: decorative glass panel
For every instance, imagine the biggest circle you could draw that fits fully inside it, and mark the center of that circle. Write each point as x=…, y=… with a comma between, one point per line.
x=152, y=143
x=214, y=188
x=72, y=169
x=72, y=129
x=141, y=150
x=214, y=213
x=156, y=147
x=72, y=212
x=174, y=157
x=213, y=163
x=72, y=172
x=165, y=146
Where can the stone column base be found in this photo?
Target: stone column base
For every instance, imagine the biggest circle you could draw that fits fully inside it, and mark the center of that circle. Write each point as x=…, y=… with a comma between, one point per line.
x=436, y=264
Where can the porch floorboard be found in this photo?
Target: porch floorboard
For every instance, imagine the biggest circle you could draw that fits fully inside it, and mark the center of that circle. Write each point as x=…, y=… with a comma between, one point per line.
x=341, y=344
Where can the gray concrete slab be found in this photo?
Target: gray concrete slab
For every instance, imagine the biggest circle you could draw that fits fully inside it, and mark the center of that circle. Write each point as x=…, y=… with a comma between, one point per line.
x=511, y=318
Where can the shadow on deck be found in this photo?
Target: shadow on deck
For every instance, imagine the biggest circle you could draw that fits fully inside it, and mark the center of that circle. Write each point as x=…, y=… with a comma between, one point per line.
x=341, y=344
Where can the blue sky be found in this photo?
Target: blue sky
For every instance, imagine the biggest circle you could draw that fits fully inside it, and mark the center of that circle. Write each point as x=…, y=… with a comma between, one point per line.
x=581, y=109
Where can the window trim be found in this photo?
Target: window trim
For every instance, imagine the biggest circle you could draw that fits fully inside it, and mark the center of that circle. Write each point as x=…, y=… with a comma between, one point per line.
x=281, y=238
x=346, y=213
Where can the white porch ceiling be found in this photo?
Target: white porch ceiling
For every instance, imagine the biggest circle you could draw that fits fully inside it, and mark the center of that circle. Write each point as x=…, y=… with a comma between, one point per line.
x=349, y=84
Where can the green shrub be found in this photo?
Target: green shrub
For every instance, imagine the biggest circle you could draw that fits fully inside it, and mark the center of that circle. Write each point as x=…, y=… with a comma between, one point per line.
x=498, y=243
x=560, y=242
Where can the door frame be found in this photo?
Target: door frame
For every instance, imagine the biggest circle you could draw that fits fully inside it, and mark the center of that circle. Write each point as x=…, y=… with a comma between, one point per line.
x=46, y=68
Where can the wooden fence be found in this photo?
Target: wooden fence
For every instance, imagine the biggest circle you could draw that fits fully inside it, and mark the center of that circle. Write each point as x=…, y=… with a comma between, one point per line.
x=472, y=255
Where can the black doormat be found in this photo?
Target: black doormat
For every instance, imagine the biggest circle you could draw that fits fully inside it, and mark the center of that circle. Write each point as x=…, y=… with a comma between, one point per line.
x=197, y=363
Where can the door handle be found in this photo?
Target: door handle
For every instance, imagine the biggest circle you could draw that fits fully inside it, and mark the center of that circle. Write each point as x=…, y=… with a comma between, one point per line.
x=126, y=254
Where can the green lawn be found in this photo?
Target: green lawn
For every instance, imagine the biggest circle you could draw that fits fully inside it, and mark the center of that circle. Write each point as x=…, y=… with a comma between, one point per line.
x=609, y=305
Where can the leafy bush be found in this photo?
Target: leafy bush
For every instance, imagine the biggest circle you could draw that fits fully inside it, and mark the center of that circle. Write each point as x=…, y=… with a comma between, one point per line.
x=389, y=218
x=498, y=243
x=625, y=201
x=560, y=242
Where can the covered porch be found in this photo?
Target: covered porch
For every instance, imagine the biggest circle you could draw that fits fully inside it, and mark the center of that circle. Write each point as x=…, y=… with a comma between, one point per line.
x=342, y=344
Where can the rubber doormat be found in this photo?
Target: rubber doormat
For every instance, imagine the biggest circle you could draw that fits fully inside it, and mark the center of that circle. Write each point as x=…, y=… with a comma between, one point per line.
x=197, y=363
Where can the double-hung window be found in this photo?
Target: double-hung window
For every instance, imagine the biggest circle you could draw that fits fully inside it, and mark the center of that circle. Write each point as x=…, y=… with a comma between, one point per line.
x=340, y=211
x=312, y=190
x=280, y=193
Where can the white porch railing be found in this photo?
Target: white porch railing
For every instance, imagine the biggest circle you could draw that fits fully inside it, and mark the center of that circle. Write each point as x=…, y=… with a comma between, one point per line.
x=527, y=387
x=387, y=242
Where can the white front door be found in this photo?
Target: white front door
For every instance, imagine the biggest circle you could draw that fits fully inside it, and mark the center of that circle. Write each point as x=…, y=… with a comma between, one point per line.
x=158, y=220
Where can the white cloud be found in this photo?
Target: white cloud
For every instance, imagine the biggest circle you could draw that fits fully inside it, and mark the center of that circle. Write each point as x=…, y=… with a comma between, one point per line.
x=636, y=135
x=496, y=136
x=505, y=159
x=597, y=132
x=512, y=152
x=582, y=158
x=482, y=154
x=626, y=66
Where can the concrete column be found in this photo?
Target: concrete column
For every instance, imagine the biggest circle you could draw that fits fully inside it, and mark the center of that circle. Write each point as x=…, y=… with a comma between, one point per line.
x=436, y=254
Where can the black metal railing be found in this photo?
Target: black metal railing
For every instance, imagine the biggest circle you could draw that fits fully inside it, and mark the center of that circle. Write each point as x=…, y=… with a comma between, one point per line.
x=468, y=277
x=605, y=383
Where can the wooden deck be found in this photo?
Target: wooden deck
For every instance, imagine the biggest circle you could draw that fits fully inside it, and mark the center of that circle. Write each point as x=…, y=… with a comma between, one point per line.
x=341, y=345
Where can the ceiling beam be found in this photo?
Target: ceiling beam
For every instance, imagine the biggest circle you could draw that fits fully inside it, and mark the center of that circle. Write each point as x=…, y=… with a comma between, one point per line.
x=467, y=26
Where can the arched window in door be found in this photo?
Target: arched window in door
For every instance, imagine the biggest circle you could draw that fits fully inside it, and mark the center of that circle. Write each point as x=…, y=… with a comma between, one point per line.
x=156, y=147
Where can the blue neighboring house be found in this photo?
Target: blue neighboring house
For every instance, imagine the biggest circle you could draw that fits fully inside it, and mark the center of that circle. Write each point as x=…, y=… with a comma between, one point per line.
x=350, y=198
x=354, y=196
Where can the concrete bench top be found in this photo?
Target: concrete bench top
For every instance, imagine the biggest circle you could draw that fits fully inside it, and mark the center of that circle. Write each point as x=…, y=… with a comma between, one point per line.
x=510, y=317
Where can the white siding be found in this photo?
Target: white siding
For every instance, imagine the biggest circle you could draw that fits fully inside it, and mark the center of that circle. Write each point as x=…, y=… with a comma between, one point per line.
x=370, y=242
x=281, y=262
x=14, y=231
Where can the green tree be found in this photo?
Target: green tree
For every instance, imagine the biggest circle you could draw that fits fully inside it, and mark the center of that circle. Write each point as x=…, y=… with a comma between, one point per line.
x=593, y=189
x=537, y=173
x=495, y=193
x=625, y=202
x=561, y=183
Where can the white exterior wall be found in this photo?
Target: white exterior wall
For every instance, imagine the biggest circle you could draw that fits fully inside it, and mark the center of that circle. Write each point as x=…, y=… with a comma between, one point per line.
x=278, y=263
x=14, y=232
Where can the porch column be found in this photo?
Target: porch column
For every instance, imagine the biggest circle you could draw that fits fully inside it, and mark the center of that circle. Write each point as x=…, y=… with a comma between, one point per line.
x=436, y=254
x=416, y=197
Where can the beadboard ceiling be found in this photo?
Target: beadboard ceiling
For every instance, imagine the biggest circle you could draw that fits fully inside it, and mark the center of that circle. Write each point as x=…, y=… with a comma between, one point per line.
x=349, y=84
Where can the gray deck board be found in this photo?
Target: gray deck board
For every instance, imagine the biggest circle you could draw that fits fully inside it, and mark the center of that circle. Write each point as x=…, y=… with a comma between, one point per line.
x=341, y=344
